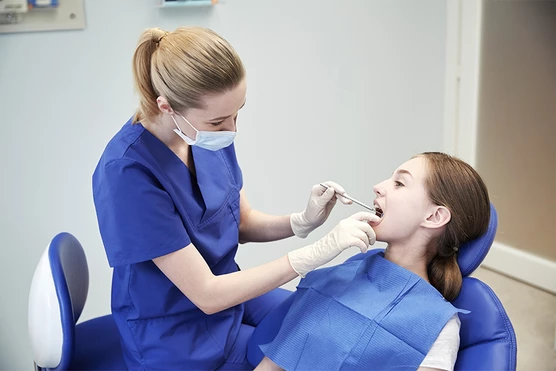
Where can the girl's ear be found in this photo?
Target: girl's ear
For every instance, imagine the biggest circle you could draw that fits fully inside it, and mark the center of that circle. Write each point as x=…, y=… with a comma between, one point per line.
x=439, y=217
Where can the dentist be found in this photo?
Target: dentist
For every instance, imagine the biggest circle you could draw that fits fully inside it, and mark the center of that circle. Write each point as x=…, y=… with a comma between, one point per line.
x=171, y=208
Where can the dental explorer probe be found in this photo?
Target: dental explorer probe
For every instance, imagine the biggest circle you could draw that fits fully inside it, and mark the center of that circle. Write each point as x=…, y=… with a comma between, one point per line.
x=352, y=199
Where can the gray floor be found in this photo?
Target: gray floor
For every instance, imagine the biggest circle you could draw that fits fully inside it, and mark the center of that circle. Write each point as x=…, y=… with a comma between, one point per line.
x=533, y=315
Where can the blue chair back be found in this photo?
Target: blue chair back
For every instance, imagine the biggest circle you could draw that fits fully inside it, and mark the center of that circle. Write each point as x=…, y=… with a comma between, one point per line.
x=487, y=337
x=58, y=294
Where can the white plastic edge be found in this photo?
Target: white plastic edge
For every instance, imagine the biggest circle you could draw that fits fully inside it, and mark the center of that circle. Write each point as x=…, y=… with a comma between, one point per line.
x=44, y=320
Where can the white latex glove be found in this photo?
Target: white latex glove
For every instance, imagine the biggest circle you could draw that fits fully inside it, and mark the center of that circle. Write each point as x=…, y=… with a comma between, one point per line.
x=353, y=231
x=321, y=202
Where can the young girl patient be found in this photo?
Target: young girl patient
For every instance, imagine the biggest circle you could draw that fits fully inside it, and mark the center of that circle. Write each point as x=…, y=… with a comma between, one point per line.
x=391, y=311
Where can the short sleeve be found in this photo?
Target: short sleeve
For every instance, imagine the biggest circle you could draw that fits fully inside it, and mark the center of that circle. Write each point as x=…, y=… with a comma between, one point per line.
x=137, y=218
x=444, y=350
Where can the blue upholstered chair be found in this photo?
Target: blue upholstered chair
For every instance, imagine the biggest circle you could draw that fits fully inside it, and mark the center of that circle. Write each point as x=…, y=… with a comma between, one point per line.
x=487, y=338
x=58, y=293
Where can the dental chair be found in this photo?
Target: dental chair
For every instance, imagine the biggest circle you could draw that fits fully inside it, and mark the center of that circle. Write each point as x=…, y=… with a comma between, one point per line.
x=487, y=338
x=58, y=293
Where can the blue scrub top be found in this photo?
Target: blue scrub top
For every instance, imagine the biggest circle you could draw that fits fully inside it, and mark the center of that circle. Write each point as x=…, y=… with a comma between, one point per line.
x=148, y=205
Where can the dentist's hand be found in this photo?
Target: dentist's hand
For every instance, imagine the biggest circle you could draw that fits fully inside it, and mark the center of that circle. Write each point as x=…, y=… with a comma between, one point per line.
x=353, y=231
x=321, y=202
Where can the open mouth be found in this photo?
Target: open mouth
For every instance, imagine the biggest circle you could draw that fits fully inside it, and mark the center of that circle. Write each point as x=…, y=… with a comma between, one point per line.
x=379, y=212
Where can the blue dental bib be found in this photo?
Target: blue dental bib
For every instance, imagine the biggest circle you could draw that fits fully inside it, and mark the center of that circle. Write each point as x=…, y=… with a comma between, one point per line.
x=360, y=315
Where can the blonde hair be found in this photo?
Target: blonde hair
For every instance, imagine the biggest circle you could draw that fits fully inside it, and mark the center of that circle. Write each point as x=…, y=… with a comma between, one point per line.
x=182, y=66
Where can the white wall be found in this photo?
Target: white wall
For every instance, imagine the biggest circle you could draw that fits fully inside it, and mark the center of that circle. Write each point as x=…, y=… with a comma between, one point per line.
x=337, y=90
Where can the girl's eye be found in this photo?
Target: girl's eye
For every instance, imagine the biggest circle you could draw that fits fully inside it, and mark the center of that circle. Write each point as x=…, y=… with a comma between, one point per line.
x=398, y=183
x=216, y=123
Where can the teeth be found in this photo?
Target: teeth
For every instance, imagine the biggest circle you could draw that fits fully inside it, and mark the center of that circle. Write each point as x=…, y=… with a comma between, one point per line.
x=378, y=212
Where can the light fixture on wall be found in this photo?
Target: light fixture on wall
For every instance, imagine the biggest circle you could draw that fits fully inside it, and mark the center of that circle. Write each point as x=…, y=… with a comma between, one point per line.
x=179, y=3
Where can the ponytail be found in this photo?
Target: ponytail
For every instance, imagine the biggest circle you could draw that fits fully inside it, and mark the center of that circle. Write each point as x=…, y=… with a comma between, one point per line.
x=445, y=275
x=142, y=58
x=182, y=66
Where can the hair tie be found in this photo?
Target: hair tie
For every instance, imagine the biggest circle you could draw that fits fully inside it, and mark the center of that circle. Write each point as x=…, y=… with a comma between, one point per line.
x=161, y=37
x=456, y=249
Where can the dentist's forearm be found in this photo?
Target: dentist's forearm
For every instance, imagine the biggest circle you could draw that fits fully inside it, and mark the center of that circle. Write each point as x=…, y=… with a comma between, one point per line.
x=260, y=227
x=235, y=288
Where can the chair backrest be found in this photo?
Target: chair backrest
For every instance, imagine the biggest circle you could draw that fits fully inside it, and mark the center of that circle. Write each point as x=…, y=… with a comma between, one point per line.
x=487, y=337
x=472, y=253
x=57, y=296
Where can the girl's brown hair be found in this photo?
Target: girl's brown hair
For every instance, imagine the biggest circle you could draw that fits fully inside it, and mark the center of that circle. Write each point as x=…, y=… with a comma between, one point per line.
x=182, y=66
x=454, y=184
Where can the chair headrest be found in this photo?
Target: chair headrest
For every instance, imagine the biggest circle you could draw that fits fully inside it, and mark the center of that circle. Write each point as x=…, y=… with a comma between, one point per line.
x=56, y=299
x=472, y=253
x=70, y=270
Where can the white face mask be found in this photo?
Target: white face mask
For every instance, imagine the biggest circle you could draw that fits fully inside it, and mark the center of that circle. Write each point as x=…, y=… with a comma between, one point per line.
x=211, y=140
